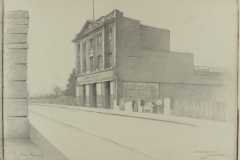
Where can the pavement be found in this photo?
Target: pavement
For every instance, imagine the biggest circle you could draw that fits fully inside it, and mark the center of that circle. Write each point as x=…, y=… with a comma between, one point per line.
x=22, y=149
x=92, y=133
x=35, y=148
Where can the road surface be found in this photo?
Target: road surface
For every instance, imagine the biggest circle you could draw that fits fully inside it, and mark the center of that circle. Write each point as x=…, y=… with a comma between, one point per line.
x=80, y=134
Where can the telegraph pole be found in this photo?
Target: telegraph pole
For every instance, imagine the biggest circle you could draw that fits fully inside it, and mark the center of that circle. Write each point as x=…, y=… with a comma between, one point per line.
x=93, y=10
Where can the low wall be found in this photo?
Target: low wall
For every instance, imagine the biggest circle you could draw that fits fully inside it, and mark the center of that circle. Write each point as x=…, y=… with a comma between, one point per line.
x=66, y=100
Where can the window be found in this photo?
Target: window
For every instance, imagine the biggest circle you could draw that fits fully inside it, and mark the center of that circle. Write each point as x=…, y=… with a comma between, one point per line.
x=84, y=65
x=110, y=34
x=78, y=49
x=91, y=63
x=78, y=60
x=79, y=66
x=99, y=39
x=110, y=59
x=91, y=43
x=99, y=62
x=84, y=46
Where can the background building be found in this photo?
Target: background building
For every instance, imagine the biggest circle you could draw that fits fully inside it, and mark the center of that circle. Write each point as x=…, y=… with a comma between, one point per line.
x=118, y=58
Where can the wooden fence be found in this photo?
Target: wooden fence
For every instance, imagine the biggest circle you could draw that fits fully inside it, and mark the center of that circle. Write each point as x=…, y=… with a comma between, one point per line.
x=209, y=110
x=65, y=100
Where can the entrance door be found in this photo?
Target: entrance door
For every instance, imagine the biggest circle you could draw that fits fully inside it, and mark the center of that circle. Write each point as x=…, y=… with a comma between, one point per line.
x=93, y=94
x=84, y=95
x=107, y=95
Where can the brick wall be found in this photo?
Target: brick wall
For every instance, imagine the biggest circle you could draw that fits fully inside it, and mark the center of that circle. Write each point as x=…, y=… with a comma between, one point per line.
x=154, y=39
x=148, y=66
x=16, y=124
x=193, y=92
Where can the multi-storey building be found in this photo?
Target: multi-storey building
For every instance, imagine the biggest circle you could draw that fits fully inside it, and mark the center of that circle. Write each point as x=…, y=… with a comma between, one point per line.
x=119, y=58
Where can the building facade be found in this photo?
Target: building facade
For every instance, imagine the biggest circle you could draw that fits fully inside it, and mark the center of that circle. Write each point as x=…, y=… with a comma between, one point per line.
x=119, y=58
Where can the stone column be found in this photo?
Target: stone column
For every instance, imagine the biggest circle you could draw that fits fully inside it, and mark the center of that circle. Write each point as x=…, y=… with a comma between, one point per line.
x=99, y=95
x=167, y=106
x=112, y=94
x=92, y=95
x=16, y=124
x=103, y=92
x=82, y=94
x=77, y=95
x=87, y=95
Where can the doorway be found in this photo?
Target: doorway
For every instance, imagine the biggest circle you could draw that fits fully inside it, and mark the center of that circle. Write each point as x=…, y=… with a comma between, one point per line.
x=83, y=95
x=107, y=95
x=93, y=95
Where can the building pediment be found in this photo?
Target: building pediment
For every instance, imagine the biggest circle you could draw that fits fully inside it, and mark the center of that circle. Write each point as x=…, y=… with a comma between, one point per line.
x=89, y=25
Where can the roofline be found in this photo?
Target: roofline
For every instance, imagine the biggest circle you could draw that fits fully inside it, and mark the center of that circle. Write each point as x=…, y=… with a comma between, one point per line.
x=101, y=24
x=77, y=38
x=154, y=27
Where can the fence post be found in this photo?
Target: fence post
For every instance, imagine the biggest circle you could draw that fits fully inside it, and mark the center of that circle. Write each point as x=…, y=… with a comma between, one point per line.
x=167, y=106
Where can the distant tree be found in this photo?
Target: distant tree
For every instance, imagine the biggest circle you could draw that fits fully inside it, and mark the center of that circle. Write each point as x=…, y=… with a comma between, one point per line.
x=70, y=91
x=57, y=90
x=47, y=96
x=63, y=93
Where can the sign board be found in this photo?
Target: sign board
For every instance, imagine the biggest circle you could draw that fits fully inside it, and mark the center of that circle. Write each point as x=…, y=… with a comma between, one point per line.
x=148, y=109
x=128, y=91
x=149, y=92
x=159, y=102
x=152, y=92
x=141, y=91
x=95, y=76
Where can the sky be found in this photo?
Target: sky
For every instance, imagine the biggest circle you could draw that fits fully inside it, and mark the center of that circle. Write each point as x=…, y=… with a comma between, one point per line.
x=206, y=28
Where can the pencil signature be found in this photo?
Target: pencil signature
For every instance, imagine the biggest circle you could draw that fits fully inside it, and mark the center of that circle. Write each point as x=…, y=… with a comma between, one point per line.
x=31, y=154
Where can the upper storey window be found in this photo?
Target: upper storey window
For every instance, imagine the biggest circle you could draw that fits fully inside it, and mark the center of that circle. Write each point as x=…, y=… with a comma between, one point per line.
x=84, y=66
x=91, y=64
x=99, y=39
x=110, y=34
x=91, y=43
x=78, y=60
x=78, y=49
x=110, y=59
x=84, y=46
x=99, y=62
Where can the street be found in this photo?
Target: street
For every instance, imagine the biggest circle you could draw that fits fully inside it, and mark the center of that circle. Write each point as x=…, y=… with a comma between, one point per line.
x=80, y=134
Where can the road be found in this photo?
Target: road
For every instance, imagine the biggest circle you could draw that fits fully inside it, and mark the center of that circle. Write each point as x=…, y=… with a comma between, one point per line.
x=80, y=134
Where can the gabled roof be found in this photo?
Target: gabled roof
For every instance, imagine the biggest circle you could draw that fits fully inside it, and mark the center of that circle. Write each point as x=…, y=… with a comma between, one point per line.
x=89, y=25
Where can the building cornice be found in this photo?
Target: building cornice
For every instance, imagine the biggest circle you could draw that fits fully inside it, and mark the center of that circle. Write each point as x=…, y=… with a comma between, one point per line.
x=85, y=34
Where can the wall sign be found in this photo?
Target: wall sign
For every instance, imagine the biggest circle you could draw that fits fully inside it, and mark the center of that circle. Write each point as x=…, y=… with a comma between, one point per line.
x=128, y=91
x=95, y=76
x=152, y=92
x=141, y=91
x=159, y=102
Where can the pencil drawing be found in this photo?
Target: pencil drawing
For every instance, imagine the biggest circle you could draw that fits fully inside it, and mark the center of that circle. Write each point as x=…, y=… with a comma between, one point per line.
x=128, y=95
